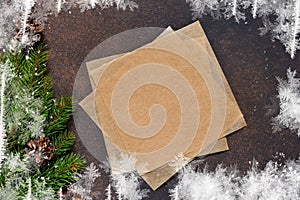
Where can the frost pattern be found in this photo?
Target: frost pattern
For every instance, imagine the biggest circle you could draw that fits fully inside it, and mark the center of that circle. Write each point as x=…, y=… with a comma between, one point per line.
x=274, y=182
x=17, y=177
x=82, y=189
x=127, y=182
x=294, y=42
x=108, y=192
x=10, y=13
x=289, y=97
x=127, y=186
x=13, y=12
x=220, y=184
x=43, y=192
x=28, y=4
x=179, y=161
x=4, y=70
x=122, y=163
x=285, y=26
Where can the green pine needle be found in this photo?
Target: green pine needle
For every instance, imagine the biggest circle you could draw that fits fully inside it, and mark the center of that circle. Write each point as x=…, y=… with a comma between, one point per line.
x=63, y=143
x=47, y=96
x=60, y=114
x=62, y=172
x=32, y=111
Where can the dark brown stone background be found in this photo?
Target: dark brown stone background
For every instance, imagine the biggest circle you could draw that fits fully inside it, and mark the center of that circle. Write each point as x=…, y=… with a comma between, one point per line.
x=249, y=61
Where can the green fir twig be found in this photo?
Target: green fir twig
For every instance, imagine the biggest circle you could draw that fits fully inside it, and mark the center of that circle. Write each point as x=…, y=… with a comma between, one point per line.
x=32, y=114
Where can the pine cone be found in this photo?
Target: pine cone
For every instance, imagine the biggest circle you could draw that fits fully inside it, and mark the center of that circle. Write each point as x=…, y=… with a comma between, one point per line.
x=40, y=150
x=33, y=30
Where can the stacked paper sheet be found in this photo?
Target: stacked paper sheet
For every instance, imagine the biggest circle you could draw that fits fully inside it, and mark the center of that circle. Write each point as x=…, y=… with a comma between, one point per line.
x=167, y=98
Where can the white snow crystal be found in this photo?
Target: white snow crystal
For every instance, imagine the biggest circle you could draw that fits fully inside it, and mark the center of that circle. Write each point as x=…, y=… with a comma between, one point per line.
x=272, y=183
x=126, y=181
x=83, y=187
x=289, y=97
x=193, y=185
x=281, y=18
x=127, y=186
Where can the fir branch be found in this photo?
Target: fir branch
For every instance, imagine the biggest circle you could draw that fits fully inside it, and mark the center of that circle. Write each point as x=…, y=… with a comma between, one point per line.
x=8, y=193
x=25, y=118
x=61, y=112
x=15, y=171
x=40, y=190
x=63, y=143
x=48, y=96
x=29, y=191
x=61, y=173
x=15, y=115
x=31, y=112
x=30, y=94
x=33, y=69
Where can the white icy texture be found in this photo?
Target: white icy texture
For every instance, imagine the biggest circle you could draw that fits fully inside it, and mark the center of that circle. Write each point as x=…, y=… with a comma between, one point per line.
x=3, y=71
x=127, y=186
x=126, y=183
x=14, y=11
x=205, y=185
x=10, y=13
x=83, y=187
x=285, y=26
x=271, y=183
x=289, y=97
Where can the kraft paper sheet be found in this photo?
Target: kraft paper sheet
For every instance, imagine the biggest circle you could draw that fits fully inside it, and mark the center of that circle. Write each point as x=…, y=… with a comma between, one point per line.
x=206, y=141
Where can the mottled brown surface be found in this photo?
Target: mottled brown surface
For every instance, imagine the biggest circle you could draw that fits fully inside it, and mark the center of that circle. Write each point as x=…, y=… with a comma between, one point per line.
x=250, y=63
